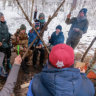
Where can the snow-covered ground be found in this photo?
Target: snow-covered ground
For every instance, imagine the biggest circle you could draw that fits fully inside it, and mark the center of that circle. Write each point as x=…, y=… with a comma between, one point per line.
x=14, y=20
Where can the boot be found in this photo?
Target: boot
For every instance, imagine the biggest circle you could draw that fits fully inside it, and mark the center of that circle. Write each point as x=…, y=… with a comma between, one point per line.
x=4, y=74
x=8, y=63
x=23, y=65
x=42, y=65
x=4, y=66
x=35, y=66
x=26, y=61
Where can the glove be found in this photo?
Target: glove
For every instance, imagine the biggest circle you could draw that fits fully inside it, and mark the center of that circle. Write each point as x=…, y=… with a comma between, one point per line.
x=76, y=29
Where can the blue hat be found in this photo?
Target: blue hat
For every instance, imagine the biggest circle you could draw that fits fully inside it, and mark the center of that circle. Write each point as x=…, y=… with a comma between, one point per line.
x=37, y=24
x=59, y=27
x=84, y=10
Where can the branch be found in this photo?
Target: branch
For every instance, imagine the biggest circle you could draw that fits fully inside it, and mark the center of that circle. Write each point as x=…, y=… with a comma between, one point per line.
x=88, y=49
x=32, y=10
x=92, y=63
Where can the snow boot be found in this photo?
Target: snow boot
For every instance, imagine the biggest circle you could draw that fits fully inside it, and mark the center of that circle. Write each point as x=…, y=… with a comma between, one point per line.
x=4, y=66
x=8, y=63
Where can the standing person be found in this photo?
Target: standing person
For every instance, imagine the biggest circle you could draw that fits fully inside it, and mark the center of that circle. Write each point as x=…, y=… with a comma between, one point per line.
x=32, y=35
x=59, y=77
x=57, y=37
x=5, y=40
x=78, y=28
x=41, y=20
x=8, y=88
x=22, y=41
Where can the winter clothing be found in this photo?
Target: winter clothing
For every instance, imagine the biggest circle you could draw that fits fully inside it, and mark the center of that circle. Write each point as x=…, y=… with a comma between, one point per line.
x=2, y=71
x=66, y=59
x=22, y=27
x=79, y=19
x=1, y=14
x=57, y=39
x=8, y=63
x=73, y=36
x=11, y=81
x=32, y=35
x=59, y=27
x=4, y=35
x=42, y=22
x=37, y=24
x=61, y=82
x=84, y=10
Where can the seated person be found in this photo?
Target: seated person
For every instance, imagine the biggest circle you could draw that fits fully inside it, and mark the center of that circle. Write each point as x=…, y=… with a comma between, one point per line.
x=12, y=78
x=59, y=77
x=57, y=37
x=32, y=35
x=22, y=41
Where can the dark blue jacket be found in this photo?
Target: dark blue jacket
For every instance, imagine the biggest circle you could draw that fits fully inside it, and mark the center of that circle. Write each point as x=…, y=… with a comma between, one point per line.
x=32, y=36
x=61, y=82
x=56, y=39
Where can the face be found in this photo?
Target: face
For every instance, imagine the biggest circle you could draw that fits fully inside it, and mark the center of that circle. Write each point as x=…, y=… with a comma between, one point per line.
x=41, y=18
x=23, y=31
x=37, y=28
x=81, y=14
x=57, y=31
x=2, y=18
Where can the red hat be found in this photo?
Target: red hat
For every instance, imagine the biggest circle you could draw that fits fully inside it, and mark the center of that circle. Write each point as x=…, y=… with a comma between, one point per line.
x=61, y=56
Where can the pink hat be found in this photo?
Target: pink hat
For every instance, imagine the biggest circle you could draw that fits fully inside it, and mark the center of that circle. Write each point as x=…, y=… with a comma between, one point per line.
x=61, y=56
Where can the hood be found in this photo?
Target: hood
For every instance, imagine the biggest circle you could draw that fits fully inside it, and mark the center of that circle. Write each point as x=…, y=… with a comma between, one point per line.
x=42, y=15
x=61, y=82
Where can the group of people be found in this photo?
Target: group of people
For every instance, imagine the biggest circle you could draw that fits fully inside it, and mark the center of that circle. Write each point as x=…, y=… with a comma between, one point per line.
x=58, y=77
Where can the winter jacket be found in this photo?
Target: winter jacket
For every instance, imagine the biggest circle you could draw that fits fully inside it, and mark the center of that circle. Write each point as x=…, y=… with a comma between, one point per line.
x=32, y=35
x=82, y=25
x=4, y=35
x=23, y=42
x=61, y=82
x=41, y=24
x=57, y=39
x=11, y=81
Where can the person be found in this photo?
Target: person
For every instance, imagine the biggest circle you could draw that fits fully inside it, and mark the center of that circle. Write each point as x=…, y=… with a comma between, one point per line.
x=21, y=39
x=32, y=35
x=57, y=37
x=8, y=88
x=78, y=28
x=59, y=77
x=41, y=20
x=5, y=37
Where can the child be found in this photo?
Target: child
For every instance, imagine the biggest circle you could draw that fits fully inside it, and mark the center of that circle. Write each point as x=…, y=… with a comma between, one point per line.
x=32, y=35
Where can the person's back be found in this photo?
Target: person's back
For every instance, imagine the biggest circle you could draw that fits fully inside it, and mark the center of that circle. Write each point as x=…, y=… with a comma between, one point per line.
x=59, y=78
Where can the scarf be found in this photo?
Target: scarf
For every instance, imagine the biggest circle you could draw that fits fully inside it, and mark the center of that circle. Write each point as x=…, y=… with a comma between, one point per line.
x=79, y=19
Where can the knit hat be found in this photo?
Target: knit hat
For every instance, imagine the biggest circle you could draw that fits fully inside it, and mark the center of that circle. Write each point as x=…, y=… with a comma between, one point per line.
x=37, y=24
x=59, y=27
x=1, y=14
x=42, y=15
x=84, y=10
x=61, y=56
x=22, y=27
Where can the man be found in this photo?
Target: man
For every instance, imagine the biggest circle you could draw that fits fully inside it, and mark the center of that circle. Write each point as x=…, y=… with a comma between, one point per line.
x=12, y=78
x=32, y=35
x=22, y=40
x=5, y=40
x=57, y=37
x=78, y=28
x=59, y=77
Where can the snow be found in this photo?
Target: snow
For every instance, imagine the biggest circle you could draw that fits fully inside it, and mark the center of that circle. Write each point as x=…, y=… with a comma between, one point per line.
x=15, y=19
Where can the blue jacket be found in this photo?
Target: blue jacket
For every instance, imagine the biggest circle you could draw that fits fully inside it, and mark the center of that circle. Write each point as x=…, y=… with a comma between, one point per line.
x=32, y=36
x=56, y=39
x=61, y=82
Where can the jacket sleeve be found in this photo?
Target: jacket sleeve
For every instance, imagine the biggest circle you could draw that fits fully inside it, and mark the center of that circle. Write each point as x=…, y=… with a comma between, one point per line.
x=11, y=81
x=60, y=39
x=51, y=40
x=35, y=16
x=70, y=21
x=30, y=33
x=84, y=30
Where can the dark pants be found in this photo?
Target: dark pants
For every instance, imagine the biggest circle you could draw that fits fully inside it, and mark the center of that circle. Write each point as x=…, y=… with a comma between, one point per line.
x=35, y=55
x=6, y=51
x=73, y=43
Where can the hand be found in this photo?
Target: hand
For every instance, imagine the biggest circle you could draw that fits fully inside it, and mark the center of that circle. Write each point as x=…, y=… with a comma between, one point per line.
x=68, y=16
x=49, y=37
x=17, y=38
x=0, y=44
x=18, y=60
x=25, y=49
x=76, y=29
x=82, y=70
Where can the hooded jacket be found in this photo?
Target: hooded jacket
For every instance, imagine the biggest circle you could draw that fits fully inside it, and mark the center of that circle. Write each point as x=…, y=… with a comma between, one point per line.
x=61, y=82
